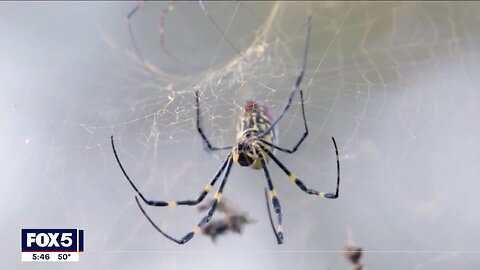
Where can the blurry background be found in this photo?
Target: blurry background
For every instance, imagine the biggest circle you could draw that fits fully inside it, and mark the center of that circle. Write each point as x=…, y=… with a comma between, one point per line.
x=395, y=83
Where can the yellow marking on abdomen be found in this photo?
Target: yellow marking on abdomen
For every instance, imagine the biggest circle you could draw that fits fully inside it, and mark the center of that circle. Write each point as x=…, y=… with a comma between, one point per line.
x=171, y=203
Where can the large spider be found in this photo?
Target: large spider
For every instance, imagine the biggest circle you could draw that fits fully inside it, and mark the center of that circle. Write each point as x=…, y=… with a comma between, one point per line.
x=256, y=142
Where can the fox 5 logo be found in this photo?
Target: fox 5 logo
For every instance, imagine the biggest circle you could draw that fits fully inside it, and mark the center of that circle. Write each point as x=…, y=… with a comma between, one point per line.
x=52, y=240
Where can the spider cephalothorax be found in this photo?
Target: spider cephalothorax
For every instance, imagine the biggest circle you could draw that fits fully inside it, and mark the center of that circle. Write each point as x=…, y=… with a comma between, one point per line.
x=255, y=145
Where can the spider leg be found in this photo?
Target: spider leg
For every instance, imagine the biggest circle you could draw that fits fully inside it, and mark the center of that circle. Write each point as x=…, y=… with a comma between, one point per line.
x=200, y=130
x=200, y=198
x=271, y=196
x=299, y=183
x=304, y=136
x=267, y=200
x=197, y=228
x=295, y=88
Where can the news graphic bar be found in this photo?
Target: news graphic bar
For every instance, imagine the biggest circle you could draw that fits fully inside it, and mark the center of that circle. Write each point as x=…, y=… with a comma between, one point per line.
x=52, y=245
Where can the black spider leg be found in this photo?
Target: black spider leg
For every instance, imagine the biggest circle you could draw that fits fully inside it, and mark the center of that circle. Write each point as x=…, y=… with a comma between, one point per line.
x=279, y=240
x=200, y=130
x=272, y=197
x=299, y=183
x=304, y=136
x=200, y=198
x=297, y=83
x=197, y=228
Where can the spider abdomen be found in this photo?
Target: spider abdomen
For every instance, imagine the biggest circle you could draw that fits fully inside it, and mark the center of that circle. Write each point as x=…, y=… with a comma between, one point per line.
x=255, y=118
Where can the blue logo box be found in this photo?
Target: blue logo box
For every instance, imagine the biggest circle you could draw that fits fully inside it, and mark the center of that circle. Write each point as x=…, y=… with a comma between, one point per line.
x=52, y=240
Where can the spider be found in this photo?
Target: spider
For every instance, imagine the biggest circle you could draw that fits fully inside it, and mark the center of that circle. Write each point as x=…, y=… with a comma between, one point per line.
x=254, y=148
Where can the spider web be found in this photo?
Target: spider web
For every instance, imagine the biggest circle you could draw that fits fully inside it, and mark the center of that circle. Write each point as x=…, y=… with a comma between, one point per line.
x=394, y=83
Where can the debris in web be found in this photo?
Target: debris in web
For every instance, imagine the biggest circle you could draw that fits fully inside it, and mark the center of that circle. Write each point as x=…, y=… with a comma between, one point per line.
x=353, y=252
x=234, y=219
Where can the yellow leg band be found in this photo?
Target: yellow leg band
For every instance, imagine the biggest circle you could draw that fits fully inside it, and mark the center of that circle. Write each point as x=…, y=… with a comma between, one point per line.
x=292, y=177
x=217, y=196
x=208, y=188
x=271, y=193
x=171, y=203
